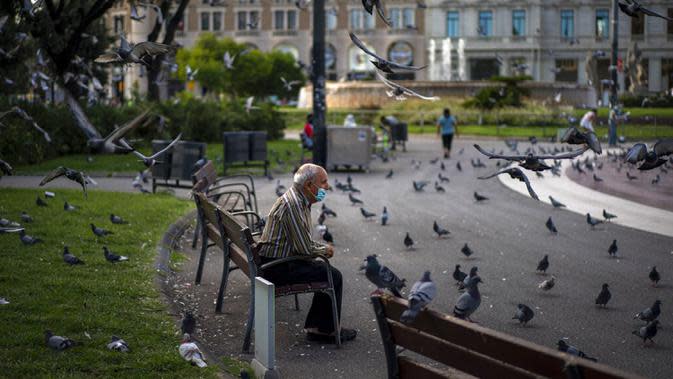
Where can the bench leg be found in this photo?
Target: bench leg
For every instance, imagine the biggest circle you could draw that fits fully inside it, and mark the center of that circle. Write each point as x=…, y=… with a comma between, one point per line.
x=196, y=233
x=251, y=318
x=202, y=256
x=223, y=282
x=296, y=302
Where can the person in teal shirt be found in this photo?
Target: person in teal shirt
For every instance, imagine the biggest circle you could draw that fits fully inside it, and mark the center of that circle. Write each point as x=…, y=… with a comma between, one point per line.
x=447, y=126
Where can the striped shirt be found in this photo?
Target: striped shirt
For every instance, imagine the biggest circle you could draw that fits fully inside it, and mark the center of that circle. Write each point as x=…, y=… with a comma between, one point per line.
x=288, y=228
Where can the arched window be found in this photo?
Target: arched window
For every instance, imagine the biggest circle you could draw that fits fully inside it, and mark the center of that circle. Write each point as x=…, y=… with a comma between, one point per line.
x=402, y=53
x=287, y=48
x=359, y=62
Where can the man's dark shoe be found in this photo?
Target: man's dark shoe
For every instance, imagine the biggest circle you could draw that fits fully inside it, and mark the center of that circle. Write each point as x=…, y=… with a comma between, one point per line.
x=346, y=335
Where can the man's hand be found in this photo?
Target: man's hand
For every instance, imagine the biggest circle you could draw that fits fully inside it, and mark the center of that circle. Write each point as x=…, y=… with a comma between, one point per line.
x=329, y=252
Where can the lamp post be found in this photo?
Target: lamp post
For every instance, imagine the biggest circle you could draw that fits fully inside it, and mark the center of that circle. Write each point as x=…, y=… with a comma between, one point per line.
x=318, y=79
x=612, y=119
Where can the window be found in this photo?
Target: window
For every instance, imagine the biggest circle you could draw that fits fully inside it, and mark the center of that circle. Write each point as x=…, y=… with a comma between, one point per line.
x=602, y=24
x=452, y=24
x=253, y=18
x=205, y=21
x=518, y=22
x=395, y=18
x=567, y=24
x=242, y=18
x=358, y=19
x=485, y=27
x=331, y=19
x=409, y=18
x=119, y=24
x=217, y=21
x=566, y=70
x=279, y=20
x=291, y=20
x=638, y=26
x=370, y=20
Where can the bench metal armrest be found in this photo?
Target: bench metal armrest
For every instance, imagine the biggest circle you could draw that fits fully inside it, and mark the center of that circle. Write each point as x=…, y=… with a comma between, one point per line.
x=217, y=186
x=302, y=258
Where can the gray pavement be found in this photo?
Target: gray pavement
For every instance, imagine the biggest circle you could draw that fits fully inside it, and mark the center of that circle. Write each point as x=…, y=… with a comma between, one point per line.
x=509, y=237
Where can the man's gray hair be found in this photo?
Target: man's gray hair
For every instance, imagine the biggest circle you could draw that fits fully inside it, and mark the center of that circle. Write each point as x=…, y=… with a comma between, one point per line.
x=306, y=172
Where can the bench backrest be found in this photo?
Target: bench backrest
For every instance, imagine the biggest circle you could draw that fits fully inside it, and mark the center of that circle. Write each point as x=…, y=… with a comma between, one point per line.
x=204, y=177
x=223, y=226
x=471, y=348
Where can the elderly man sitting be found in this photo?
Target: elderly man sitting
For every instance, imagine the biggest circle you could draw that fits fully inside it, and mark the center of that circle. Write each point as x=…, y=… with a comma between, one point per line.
x=288, y=232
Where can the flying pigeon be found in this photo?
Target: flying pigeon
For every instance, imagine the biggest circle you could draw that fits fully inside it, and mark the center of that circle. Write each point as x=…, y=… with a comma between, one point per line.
x=383, y=277
x=100, y=232
x=157, y=9
x=543, y=265
x=647, y=332
x=188, y=323
x=191, y=352
x=612, y=250
x=572, y=350
x=5, y=168
x=421, y=294
x=111, y=143
x=369, y=7
x=633, y=8
x=113, y=258
x=515, y=173
x=574, y=136
x=523, y=314
x=384, y=216
x=651, y=313
x=74, y=175
x=151, y=160
x=530, y=161
x=135, y=16
x=604, y=296
x=127, y=53
x=408, y=242
x=228, y=60
x=248, y=104
x=69, y=258
x=57, y=342
x=608, y=216
x=550, y=225
x=651, y=159
x=469, y=301
x=439, y=231
x=118, y=344
x=288, y=85
x=381, y=63
x=190, y=74
x=548, y=284
x=399, y=92
x=466, y=251
x=654, y=276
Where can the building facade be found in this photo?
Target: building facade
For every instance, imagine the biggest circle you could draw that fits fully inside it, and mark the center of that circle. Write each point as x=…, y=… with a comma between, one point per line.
x=458, y=39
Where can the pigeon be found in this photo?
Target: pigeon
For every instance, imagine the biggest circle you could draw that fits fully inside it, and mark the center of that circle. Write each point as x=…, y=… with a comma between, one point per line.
x=604, y=296
x=288, y=85
x=100, y=232
x=515, y=173
x=420, y=295
x=572, y=350
x=3, y=301
x=354, y=200
x=630, y=177
x=634, y=9
x=647, y=332
x=530, y=161
x=11, y=229
x=40, y=202
x=25, y=217
x=117, y=219
x=439, y=231
x=543, y=265
x=608, y=216
x=151, y=160
x=68, y=207
x=369, y=7
x=389, y=174
x=248, y=104
x=383, y=277
x=327, y=236
x=408, y=242
x=381, y=63
x=593, y=221
x=321, y=218
x=191, y=352
x=548, y=284
x=113, y=258
x=654, y=276
x=473, y=272
x=478, y=197
x=71, y=259
x=135, y=16
x=366, y=214
x=188, y=323
x=57, y=342
x=466, y=251
x=555, y=203
x=74, y=175
x=128, y=53
x=656, y=179
x=651, y=313
x=228, y=60
x=470, y=300
x=327, y=211
x=418, y=186
x=384, y=216
x=439, y=188
x=458, y=166
x=111, y=143
x=118, y=344
x=190, y=74
x=157, y=9
x=25, y=116
x=458, y=275
x=5, y=168
x=442, y=178
x=550, y=225
x=28, y=240
x=574, y=136
x=612, y=250
x=399, y=92
x=597, y=178
x=523, y=314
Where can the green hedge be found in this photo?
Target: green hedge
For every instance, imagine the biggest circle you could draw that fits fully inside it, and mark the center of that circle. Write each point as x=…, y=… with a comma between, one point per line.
x=198, y=120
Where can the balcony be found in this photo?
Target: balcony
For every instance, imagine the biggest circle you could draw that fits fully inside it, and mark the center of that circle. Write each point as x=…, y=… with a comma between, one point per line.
x=247, y=33
x=285, y=33
x=409, y=30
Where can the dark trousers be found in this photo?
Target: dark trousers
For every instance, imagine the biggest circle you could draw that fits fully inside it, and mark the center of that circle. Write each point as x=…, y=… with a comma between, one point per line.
x=298, y=272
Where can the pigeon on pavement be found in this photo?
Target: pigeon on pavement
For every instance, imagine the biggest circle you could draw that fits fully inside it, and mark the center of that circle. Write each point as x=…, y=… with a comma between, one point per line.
x=458, y=275
x=524, y=314
x=612, y=250
x=327, y=236
x=113, y=258
x=604, y=296
x=57, y=342
x=100, y=232
x=366, y=214
x=478, y=197
x=188, y=323
x=572, y=350
x=439, y=231
x=439, y=188
x=420, y=185
x=550, y=225
x=648, y=331
x=389, y=174
x=118, y=344
x=69, y=258
x=651, y=313
x=608, y=216
x=354, y=200
x=328, y=211
x=548, y=284
x=191, y=352
x=469, y=301
x=543, y=265
x=593, y=221
x=408, y=242
x=466, y=250
x=555, y=203
x=421, y=294
x=383, y=277
x=654, y=276
x=384, y=216
x=442, y=178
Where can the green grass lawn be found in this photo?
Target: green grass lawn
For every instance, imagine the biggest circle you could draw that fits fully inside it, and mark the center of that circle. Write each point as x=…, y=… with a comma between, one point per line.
x=630, y=131
x=99, y=298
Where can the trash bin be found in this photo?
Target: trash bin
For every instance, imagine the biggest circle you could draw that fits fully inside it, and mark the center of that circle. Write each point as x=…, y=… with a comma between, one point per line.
x=236, y=147
x=349, y=146
x=257, y=146
x=162, y=170
x=185, y=155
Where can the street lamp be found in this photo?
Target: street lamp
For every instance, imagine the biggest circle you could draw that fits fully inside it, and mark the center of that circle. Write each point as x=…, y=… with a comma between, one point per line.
x=612, y=118
x=318, y=79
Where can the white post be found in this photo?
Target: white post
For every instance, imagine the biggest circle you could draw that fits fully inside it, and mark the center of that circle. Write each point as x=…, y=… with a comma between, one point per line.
x=265, y=330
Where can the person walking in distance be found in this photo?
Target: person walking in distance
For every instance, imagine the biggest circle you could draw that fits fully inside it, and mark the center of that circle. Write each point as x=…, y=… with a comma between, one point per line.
x=447, y=127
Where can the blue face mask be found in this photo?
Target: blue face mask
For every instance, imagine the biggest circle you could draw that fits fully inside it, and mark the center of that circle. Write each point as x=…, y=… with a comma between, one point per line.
x=320, y=196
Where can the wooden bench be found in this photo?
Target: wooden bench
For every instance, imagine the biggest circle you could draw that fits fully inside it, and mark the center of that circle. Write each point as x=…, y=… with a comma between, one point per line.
x=471, y=348
x=234, y=238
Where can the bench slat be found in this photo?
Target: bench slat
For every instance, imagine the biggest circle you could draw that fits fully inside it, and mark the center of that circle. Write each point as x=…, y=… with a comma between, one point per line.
x=453, y=355
x=415, y=370
x=515, y=351
x=207, y=173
